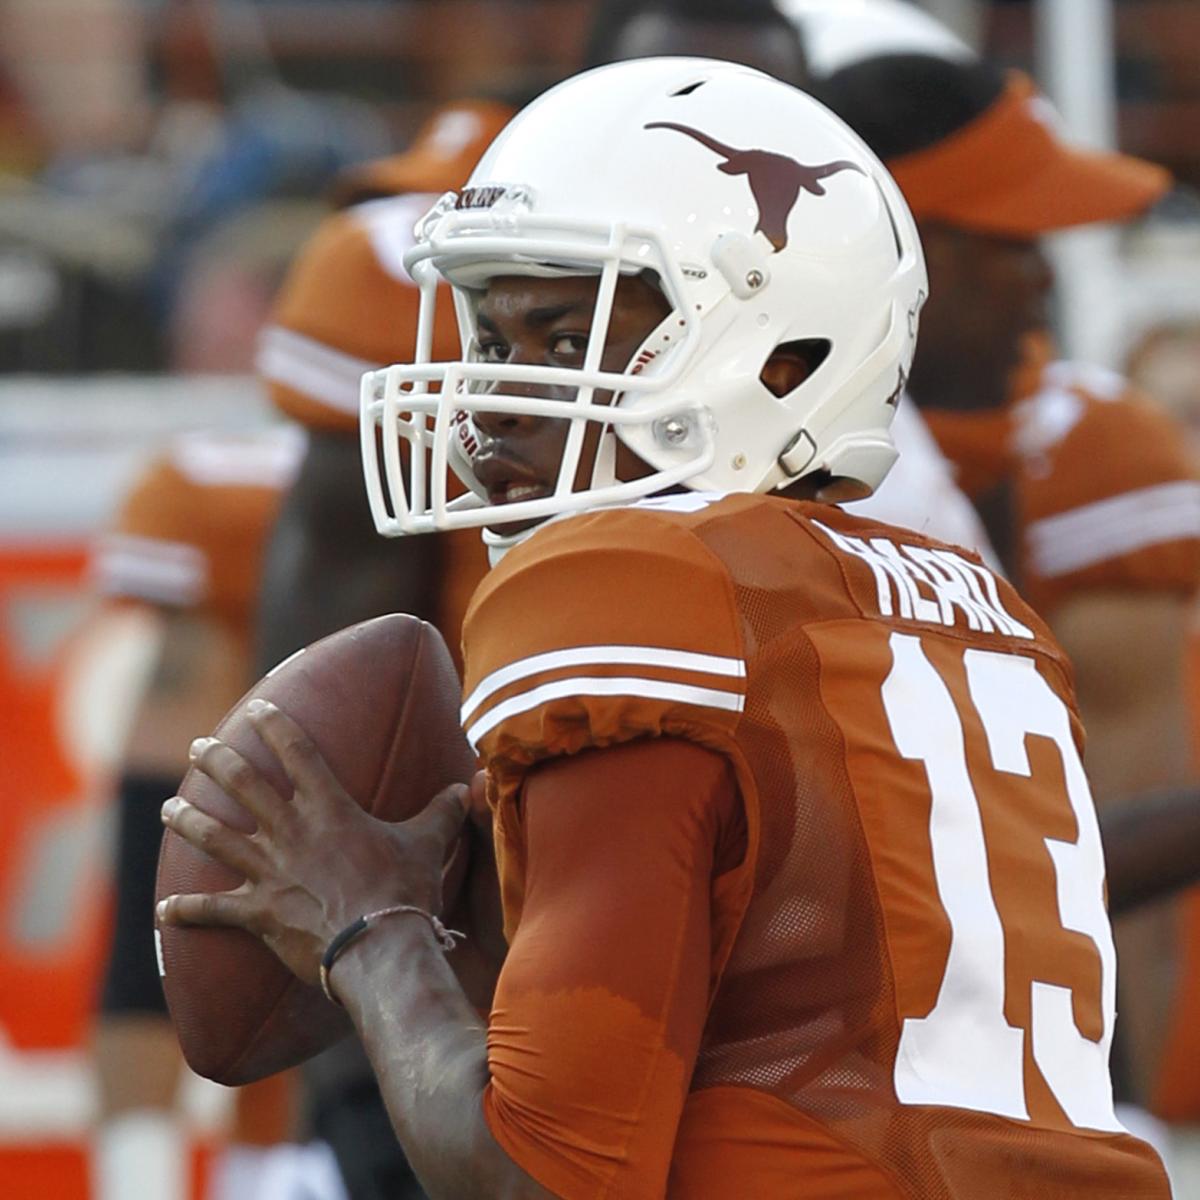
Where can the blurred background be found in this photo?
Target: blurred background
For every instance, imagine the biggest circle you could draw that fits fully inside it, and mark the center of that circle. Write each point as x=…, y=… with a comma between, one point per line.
x=161, y=161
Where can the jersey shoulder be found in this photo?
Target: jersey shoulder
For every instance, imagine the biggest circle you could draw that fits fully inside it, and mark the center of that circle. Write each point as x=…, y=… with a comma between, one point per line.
x=208, y=462
x=1108, y=486
x=190, y=531
x=600, y=628
x=1086, y=432
x=346, y=307
x=650, y=619
x=440, y=158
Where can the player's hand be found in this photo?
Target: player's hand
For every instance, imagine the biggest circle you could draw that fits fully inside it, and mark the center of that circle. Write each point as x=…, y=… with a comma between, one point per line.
x=477, y=910
x=316, y=863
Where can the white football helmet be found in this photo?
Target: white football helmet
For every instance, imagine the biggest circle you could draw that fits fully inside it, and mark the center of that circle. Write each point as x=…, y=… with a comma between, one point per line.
x=764, y=219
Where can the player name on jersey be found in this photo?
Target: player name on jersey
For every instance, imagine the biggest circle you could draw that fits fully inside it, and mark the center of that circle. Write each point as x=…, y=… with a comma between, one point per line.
x=924, y=583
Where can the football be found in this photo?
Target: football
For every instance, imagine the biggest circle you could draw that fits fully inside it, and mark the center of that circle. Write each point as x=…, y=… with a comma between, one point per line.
x=380, y=700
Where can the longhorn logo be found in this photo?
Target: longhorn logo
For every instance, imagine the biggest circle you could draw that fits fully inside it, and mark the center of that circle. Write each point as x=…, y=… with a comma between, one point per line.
x=776, y=181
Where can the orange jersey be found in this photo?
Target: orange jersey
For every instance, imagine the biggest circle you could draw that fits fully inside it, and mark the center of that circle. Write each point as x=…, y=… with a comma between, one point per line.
x=348, y=306
x=910, y=975
x=192, y=531
x=1104, y=490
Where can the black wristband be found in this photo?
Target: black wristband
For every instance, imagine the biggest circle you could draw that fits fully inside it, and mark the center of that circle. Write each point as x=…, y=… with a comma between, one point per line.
x=446, y=938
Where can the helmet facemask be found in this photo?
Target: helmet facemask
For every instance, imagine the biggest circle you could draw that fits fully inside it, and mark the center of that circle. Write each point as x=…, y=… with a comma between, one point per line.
x=430, y=407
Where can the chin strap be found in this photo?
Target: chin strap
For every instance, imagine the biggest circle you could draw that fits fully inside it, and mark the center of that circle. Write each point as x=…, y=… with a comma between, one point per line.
x=499, y=544
x=604, y=468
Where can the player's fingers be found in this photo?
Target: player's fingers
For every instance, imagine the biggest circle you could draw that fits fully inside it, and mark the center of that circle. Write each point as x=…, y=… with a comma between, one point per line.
x=238, y=778
x=442, y=818
x=296, y=751
x=230, y=909
x=208, y=834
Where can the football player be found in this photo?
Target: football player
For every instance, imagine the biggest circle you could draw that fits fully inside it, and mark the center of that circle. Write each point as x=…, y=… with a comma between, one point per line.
x=1089, y=492
x=348, y=306
x=186, y=545
x=802, y=880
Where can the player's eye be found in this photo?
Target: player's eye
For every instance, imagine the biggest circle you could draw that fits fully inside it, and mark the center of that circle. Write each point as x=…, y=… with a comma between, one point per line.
x=491, y=350
x=569, y=345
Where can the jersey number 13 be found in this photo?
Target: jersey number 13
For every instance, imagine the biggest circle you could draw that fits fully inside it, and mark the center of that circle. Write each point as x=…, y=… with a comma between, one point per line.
x=964, y=1053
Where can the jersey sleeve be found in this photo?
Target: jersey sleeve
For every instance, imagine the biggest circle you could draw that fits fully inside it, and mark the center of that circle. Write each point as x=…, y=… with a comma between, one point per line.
x=151, y=551
x=599, y=630
x=601, y=1003
x=1115, y=502
x=192, y=532
x=346, y=307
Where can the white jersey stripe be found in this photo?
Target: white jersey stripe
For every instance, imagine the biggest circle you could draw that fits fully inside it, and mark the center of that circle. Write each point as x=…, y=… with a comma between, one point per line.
x=266, y=459
x=1119, y=525
x=650, y=689
x=616, y=656
x=143, y=568
x=309, y=366
x=159, y=549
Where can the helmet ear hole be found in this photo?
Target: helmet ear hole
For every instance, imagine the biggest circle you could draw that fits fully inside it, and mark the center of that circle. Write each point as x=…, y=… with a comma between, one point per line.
x=793, y=363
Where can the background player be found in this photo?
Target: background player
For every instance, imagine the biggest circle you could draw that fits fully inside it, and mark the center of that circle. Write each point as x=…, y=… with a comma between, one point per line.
x=347, y=306
x=1089, y=492
x=187, y=544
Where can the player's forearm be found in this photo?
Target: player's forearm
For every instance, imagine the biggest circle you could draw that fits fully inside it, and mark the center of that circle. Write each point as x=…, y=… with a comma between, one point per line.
x=428, y=1047
x=1151, y=846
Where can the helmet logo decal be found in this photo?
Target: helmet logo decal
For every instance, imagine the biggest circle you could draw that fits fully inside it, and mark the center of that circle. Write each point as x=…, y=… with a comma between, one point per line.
x=464, y=430
x=776, y=181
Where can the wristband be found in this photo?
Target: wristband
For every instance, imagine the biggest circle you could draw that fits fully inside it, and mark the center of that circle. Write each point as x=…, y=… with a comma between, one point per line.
x=447, y=938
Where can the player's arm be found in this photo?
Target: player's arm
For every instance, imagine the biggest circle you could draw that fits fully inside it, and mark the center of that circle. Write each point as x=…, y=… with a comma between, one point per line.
x=601, y=1003
x=1132, y=694
x=1129, y=649
x=326, y=567
x=1151, y=846
x=1129, y=652
x=342, y=310
x=579, y=1080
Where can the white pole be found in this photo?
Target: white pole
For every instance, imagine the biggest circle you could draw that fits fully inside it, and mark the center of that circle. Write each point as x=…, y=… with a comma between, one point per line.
x=1075, y=44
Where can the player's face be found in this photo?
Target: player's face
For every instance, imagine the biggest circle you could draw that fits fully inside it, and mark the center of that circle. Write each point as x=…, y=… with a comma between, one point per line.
x=987, y=294
x=547, y=322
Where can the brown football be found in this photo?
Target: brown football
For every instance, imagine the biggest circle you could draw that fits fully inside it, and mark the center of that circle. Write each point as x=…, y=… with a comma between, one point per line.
x=380, y=700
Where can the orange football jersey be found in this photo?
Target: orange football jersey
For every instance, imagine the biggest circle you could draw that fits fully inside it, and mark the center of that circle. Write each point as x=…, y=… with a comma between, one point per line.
x=348, y=306
x=911, y=973
x=193, y=529
x=1105, y=492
